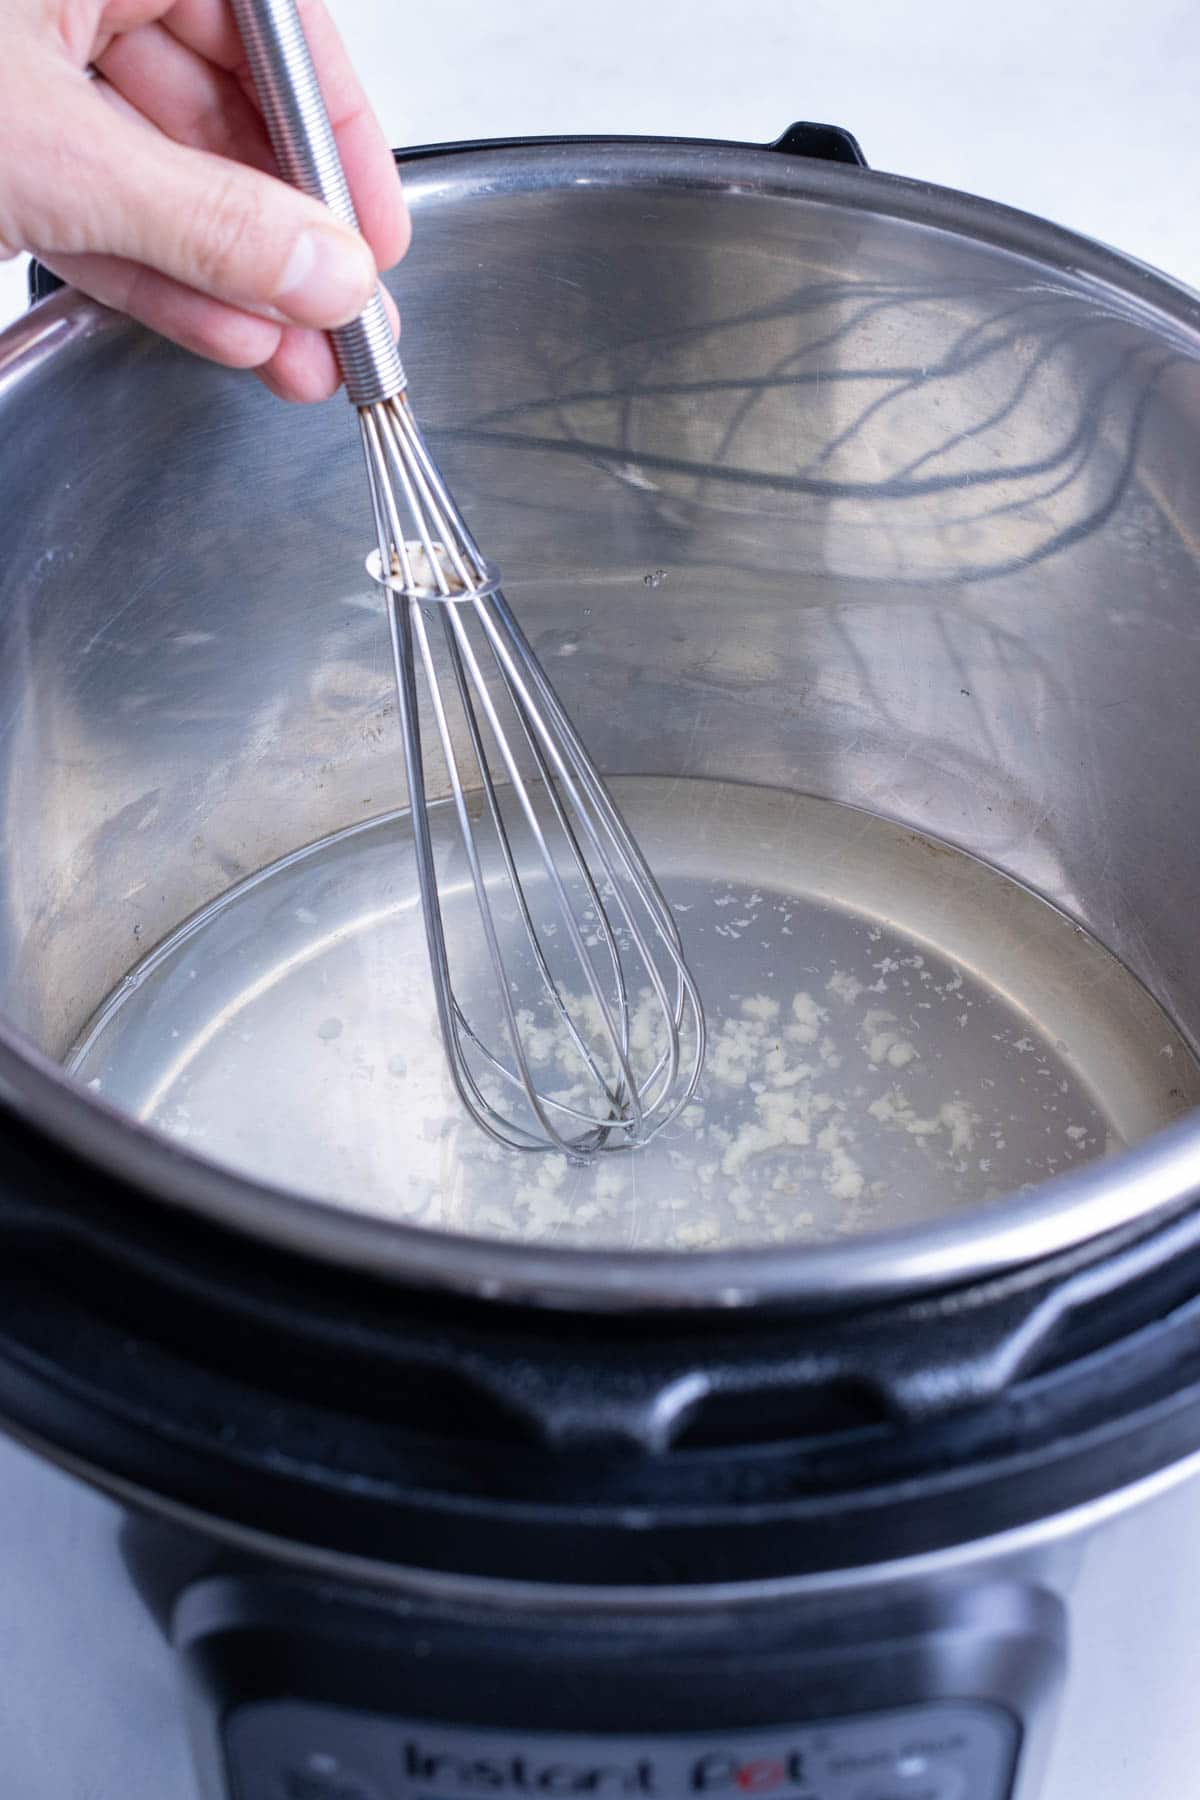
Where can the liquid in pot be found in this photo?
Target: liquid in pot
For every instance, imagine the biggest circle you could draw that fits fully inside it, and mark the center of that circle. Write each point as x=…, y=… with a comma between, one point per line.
x=897, y=1030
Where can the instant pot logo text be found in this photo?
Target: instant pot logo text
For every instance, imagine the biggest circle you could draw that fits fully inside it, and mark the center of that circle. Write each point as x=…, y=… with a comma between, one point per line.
x=721, y=1773
x=718, y=1772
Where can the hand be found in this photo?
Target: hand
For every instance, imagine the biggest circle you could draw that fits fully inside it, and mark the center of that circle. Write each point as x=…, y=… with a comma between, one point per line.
x=151, y=187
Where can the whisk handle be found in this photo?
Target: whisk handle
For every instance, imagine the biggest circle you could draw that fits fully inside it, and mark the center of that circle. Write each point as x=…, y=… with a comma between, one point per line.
x=293, y=110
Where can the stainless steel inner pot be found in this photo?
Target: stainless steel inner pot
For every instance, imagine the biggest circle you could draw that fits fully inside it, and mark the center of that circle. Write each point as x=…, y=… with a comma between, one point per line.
x=805, y=482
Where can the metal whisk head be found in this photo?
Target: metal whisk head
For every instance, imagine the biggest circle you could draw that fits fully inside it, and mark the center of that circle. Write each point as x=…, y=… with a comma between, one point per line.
x=585, y=1030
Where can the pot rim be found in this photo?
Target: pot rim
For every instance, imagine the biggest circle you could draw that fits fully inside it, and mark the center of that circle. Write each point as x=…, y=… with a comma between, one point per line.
x=1144, y=1184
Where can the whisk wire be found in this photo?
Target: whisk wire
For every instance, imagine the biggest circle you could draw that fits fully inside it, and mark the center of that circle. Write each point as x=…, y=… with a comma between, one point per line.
x=640, y=875
x=401, y=630
x=569, y=768
x=517, y=887
x=617, y=1037
x=486, y=916
x=408, y=707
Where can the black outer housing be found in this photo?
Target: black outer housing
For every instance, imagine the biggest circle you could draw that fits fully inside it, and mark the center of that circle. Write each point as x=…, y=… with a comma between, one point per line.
x=825, y=143
x=272, y=1395
x=350, y=1419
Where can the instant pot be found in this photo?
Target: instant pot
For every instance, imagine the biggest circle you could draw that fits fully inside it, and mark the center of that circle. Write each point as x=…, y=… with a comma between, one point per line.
x=300, y=1502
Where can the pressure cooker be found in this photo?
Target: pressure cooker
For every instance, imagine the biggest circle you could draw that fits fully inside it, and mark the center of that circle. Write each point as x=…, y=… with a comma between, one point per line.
x=874, y=535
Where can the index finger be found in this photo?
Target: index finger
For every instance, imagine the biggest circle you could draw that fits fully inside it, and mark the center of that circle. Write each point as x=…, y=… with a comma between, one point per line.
x=207, y=26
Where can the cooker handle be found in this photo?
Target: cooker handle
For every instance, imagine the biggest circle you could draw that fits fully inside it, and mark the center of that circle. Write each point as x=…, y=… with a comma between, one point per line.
x=42, y=283
x=822, y=143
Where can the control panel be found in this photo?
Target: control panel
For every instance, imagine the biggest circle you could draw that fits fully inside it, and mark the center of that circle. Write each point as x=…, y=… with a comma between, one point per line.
x=288, y=1750
x=302, y=1691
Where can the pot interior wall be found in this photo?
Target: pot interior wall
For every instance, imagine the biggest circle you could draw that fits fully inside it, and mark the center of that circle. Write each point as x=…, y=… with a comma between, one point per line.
x=786, y=491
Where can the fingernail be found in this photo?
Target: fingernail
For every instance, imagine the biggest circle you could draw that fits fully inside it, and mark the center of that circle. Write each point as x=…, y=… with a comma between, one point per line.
x=328, y=280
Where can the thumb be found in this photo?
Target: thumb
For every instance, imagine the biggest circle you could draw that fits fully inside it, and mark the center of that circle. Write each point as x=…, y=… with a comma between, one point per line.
x=119, y=187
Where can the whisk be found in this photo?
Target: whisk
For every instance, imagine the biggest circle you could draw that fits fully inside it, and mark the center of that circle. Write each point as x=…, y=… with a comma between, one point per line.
x=585, y=1030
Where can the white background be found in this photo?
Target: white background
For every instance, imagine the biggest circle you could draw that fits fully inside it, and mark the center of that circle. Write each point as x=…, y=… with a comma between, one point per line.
x=1086, y=111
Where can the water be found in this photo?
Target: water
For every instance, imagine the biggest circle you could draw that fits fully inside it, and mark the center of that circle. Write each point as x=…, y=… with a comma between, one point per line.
x=896, y=1030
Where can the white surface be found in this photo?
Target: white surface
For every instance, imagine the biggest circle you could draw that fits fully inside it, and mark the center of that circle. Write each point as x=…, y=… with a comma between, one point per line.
x=1083, y=111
